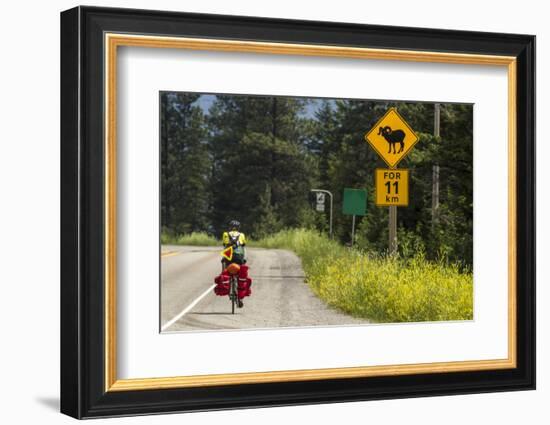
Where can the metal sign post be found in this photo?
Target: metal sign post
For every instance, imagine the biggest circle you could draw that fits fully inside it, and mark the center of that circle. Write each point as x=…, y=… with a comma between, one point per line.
x=323, y=191
x=352, y=229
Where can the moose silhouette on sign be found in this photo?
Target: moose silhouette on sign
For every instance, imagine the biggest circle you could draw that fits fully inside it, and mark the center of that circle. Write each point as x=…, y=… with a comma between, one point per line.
x=393, y=137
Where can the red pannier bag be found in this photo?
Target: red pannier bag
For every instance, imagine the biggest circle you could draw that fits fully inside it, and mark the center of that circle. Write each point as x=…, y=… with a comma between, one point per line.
x=244, y=282
x=222, y=284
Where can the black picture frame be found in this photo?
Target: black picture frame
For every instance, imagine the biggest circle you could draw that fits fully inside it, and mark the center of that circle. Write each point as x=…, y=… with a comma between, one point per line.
x=83, y=392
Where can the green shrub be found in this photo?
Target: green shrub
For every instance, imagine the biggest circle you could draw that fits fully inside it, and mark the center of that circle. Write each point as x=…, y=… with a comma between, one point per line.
x=195, y=239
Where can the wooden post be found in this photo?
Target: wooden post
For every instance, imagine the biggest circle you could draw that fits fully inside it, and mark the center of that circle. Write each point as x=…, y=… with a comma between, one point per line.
x=392, y=230
x=435, y=171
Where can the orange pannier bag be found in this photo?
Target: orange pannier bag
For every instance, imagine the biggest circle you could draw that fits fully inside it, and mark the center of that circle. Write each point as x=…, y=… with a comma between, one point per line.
x=233, y=268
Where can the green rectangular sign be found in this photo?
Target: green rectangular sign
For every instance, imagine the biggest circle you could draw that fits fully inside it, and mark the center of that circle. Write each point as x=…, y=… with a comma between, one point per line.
x=355, y=202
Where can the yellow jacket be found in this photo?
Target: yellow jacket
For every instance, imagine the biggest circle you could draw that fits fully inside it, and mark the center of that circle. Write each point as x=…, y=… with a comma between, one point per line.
x=233, y=234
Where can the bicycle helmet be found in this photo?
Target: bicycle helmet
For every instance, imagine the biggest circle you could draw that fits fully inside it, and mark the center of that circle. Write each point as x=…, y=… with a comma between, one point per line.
x=234, y=224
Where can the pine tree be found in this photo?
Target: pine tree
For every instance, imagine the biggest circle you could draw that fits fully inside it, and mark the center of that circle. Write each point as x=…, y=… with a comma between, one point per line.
x=185, y=164
x=262, y=171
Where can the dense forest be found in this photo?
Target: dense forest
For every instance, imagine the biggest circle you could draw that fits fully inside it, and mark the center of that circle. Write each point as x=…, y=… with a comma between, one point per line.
x=256, y=159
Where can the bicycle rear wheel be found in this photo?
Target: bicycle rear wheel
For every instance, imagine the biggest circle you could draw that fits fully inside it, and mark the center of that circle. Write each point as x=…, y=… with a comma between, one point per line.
x=234, y=296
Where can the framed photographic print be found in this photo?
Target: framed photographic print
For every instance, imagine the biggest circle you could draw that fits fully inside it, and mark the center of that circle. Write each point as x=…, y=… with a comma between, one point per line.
x=261, y=212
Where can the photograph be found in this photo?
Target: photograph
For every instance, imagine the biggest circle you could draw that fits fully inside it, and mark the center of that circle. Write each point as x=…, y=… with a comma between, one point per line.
x=281, y=212
x=262, y=211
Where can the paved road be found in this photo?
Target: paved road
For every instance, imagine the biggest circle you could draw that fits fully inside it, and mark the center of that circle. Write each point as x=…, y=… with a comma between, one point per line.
x=280, y=297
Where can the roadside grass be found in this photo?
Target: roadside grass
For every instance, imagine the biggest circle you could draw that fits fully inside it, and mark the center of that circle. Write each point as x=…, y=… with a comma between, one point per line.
x=194, y=239
x=383, y=289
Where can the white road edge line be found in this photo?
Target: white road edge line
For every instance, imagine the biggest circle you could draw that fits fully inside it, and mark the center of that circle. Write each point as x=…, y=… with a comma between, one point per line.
x=187, y=309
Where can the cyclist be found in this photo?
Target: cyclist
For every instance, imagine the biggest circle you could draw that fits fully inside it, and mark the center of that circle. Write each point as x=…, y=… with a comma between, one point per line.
x=237, y=240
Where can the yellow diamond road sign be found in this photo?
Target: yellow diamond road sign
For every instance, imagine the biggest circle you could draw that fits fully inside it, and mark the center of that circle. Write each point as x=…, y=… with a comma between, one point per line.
x=392, y=138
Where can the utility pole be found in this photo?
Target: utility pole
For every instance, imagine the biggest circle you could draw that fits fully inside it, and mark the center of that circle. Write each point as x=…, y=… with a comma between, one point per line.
x=435, y=172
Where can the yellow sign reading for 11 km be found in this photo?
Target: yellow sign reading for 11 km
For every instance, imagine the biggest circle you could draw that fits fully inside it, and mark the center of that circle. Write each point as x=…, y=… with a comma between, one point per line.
x=392, y=187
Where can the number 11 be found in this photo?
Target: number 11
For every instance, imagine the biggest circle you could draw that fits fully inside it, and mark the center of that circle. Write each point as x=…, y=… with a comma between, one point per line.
x=396, y=186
